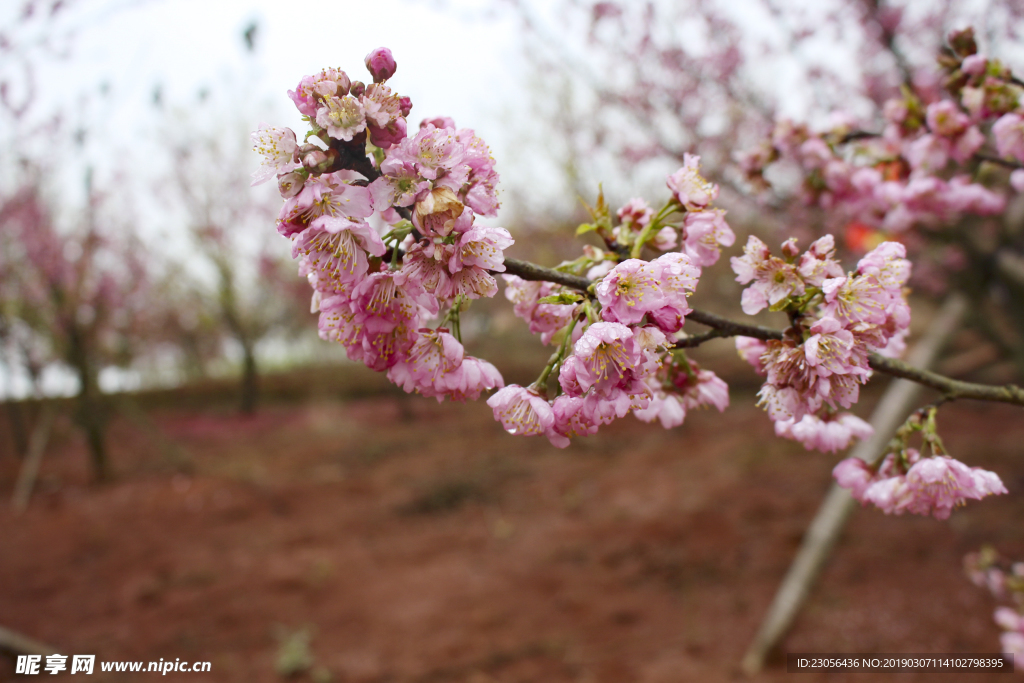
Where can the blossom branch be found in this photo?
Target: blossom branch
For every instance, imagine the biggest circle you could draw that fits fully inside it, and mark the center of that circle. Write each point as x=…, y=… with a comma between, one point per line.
x=723, y=328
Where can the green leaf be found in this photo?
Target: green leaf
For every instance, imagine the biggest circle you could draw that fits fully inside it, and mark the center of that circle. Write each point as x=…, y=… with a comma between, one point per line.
x=562, y=298
x=585, y=228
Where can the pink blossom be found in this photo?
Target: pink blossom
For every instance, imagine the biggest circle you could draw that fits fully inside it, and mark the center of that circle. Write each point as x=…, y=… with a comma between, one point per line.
x=818, y=263
x=929, y=486
x=290, y=184
x=1012, y=643
x=521, y=411
x=544, y=319
x=887, y=263
x=425, y=267
x=480, y=189
x=436, y=155
x=574, y=416
x=1017, y=180
x=606, y=354
x=966, y=145
x=773, y=279
x=381, y=64
x=945, y=118
x=474, y=283
x=380, y=107
x=941, y=483
x=635, y=214
x=665, y=239
x=803, y=377
x=831, y=434
x=343, y=117
x=974, y=65
x=377, y=323
x=568, y=378
x=668, y=409
x=677, y=278
x=855, y=299
x=399, y=184
x=389, y=135
x=471, y=379
x=928, y=153
x=854, y=474
x=706, y=232
x=751, y=350
x=311, y=90
x=675, y=392
x=438, y=122
x=482, y=247
x=331, y=82
x=304, y=97
x=324, y=195
x=630, y=291
x=1009, y=134
x=431, y=357
x=830, y=350
x=691, y=190
x=1009, y=619
x=277, y=147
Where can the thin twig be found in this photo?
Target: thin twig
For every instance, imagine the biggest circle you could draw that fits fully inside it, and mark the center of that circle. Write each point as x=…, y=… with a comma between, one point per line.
x=998, y=160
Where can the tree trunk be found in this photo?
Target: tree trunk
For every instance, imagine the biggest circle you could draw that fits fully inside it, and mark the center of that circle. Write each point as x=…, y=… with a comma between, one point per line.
x=90, y=409
x=17, y=421
x=250, y=379
x=30, y=465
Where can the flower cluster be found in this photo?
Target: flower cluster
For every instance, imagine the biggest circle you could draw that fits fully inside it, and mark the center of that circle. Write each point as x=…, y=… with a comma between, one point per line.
x=384, y=225
x=376, y=293
x=620, y=361
x=700, y=232
x=931, y=159
x=906, y=482
x=1005, y=581
x=838, y=318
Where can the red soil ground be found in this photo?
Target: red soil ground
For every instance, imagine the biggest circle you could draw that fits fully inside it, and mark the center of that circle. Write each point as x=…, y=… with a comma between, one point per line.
x=415, y=542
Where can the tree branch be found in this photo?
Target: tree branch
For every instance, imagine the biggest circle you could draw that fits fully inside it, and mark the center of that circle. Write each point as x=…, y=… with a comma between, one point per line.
x=952, y=388
x=723, y=327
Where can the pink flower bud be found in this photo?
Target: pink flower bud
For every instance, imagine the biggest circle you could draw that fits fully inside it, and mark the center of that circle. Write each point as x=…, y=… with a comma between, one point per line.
x=290, y=184
x=381, y=64
x=438, y=122
x=313, y=158
x=404, y=105
x=357, y=89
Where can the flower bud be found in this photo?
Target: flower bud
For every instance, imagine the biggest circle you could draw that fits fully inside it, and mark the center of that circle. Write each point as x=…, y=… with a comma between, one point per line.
x=314, y=157
x=789, y=248
x=290, y=184
x=963, y=42
x=438, y=122
x=404, y=105
x=357, y=89
x=381, y=64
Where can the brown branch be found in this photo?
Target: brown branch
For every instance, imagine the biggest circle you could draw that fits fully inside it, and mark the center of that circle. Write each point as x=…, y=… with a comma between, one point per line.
x=952, y=388
x=992, y=158
x=531, y=271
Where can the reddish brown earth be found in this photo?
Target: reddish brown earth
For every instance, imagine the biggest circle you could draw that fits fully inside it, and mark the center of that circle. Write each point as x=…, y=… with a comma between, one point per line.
x=416, y=542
